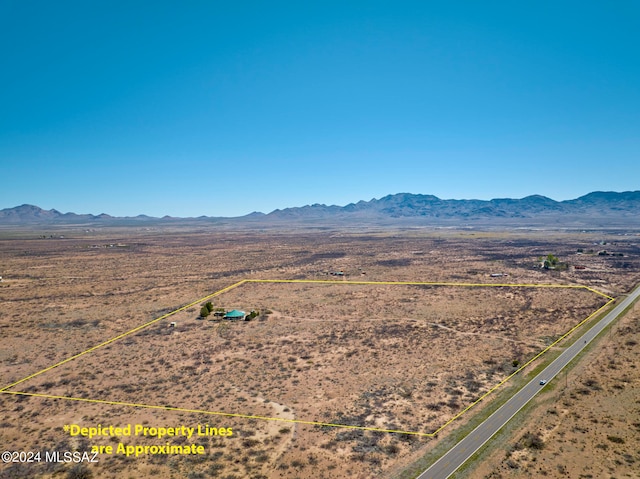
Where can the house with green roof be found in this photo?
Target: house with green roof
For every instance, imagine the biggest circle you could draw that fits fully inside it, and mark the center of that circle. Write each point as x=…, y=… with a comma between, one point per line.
x=234, y=314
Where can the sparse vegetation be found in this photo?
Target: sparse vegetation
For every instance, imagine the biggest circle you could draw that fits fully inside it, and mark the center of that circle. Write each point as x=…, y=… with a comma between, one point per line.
x=532, y=440
x=315, y=354
x=79, y=471
x=552, y=262
x=584, y=424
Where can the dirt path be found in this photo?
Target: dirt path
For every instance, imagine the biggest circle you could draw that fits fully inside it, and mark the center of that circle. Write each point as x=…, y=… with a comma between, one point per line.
x=274, y=427
x=468, y=333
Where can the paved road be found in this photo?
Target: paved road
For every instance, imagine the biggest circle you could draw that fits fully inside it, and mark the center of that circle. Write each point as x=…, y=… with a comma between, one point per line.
x=457, y=455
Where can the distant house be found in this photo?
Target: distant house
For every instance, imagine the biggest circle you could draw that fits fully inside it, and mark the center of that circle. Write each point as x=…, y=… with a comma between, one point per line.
x=234, y=314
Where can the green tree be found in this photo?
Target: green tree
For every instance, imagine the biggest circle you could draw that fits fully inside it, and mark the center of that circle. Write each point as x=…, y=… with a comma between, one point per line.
x=209, y=306
x=204, y=312
x=550, y=262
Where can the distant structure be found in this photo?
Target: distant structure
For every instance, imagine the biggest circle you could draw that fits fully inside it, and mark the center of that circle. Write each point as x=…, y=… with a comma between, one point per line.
x=234, y=314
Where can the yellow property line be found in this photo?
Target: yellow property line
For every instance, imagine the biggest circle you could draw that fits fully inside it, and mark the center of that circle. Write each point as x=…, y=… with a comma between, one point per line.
x=112, y=340
x=521, y=367
x=426, y=283
x=298, y=421
x=212, y=413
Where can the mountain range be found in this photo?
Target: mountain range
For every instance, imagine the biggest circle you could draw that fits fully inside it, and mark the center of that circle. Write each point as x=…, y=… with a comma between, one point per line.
x=597, y=209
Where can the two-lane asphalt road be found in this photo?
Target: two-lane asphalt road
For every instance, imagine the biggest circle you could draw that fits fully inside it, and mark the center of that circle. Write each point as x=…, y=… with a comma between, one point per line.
x=461, y=452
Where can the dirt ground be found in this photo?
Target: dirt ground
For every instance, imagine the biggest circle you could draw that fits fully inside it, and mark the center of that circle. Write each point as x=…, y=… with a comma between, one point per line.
x=587, y=425
x=397, y=357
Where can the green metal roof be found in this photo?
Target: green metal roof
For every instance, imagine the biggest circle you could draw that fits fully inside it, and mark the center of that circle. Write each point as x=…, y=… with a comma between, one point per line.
x=234, y=313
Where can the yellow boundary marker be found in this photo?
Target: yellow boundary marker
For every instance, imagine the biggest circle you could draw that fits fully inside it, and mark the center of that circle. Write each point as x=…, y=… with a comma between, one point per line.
x=212, y=413
x=424, y=283
x=521, y=368
x=5, y=390
x=112, y=340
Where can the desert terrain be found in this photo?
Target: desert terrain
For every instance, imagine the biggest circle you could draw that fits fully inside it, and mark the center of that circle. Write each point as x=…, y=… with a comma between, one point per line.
x=587, y=425
x=378, y=357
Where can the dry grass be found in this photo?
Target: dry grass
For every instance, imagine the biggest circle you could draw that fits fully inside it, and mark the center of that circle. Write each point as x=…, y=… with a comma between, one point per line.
x=588, y=425
x=394, y=357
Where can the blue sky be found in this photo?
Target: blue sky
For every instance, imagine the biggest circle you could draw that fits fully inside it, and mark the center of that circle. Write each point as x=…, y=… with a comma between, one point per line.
x=224, y=108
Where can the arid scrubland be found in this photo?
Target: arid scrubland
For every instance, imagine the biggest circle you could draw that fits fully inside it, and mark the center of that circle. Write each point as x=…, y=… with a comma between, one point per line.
x=392, y=357
x=587, y=425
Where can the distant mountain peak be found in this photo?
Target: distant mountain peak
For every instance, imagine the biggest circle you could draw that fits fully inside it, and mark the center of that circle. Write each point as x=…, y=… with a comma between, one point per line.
x=429, y=209
x=601, y=207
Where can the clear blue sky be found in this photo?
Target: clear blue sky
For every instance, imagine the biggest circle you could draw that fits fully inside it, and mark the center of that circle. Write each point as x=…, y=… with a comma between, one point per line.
x=223, y=108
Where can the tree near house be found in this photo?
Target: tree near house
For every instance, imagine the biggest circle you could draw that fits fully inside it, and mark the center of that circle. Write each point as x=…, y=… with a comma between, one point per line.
x=206, y=309
x=550, y=261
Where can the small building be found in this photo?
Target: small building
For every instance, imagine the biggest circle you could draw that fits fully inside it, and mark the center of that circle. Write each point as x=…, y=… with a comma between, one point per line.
x=234, y=314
